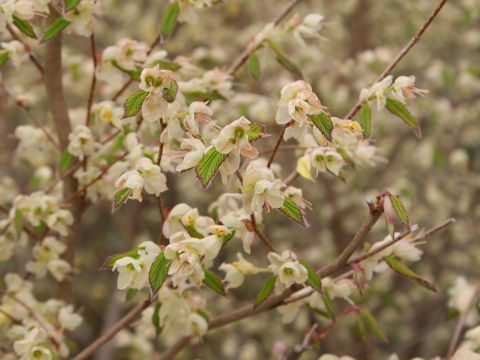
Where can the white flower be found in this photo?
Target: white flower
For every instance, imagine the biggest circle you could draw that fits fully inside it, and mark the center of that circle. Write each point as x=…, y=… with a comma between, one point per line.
x=26, y=346
x=309, y=27
x=60, y=220
x=81, y=141
x=154, y=181
x=68, y=319
x=154, y=107
x=236, y=271
x=195, y=154
x=234, y=136
x=81, y=17
x=46, y=256
x=131, y=180
x=404, y=88
x=377, y=90
x=155, y=79
x=198, y=112
x=334, y=357
x=16, y=52
x=287, y=269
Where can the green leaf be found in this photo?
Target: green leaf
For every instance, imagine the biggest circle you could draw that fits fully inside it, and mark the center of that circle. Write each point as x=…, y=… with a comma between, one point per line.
x=254, y=65
x=346, y=157
x=18, y=220
x=156, y=318
x=166, y=65
x=134, y=74
x=256, y=131
x=204, y=96
x=70, y=4
x=134, y=103
x=66, y=161
x=228, y=237
x=131, y=293
x=55, y=28
x=24, y=26
x=291, y=209
x=202, y=314
x=313, y=279
x=120, y=197
x=327, y=299
x=170, y=93
x=213, y=282
x=284, y=60
x=400, y=210
x=209, y=165
x=368, y=319
x=324, y=123
x=159, y=272
x=112, y=259
x=4, y=56
x=169, y=19
x=398, y=109
x=193, y=232
x=266, y=290
x=366, y=120
x=399, y=267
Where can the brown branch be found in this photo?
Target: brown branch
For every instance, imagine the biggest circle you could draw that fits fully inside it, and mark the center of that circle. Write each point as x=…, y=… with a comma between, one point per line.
x=94, y=78
x=279, y=141
x=66, y=174
x=246, y=53
x=124, y=321
x=291, y=177
x=262, y=237
x=27, y=47
x=461, y=323
x=401, y=54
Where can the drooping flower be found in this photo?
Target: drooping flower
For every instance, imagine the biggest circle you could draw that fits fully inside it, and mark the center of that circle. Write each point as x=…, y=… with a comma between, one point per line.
x=234, y=136
x=287, y=269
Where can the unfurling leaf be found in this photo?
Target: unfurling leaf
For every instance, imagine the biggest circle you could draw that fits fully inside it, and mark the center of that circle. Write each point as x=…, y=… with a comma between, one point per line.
x=24, y=26
x=209, y=165
x=399, y=267
x=254, y=65
x=134, y=103
x=400, y=210
x=159, y=272
x=266, y=290
x=366, y=120
x=398, y=109
x=120, y=197
x=255, y=132
x=372, y=324
x=4, y=56
x=66, y=161
x=291, y=209
x=170, y=93
x=324, y=123
x=313, y=278
x=55, y=28
x=112, y=259
x=213, y=282
x=169, y=19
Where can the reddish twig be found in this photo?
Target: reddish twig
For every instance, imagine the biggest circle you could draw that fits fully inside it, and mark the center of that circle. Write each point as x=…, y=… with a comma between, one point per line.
x=94, y=78
x=27, y=47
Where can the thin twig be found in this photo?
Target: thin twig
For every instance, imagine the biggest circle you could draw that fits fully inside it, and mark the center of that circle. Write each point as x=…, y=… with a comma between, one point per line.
x=63, y=176
x=298, y=350
x=400, y=55
x=262, y=237
x=27, y=47
x=94, y=78
x=461, y=323
x=291, y=177
x=279, y=141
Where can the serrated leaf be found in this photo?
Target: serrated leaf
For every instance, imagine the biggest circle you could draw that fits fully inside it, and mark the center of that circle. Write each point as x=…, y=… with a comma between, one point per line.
x=66, y=161
x=134, y=103
x=324, y=123
x=254, y=65
x=156, y=318
x=134, y=74
x=209, y=165
x=159, y=272
x=266, y=290
x=4, y=56
x=291, y=209
x=170, y=93
x=399, y=267
x=24, y=26
x=366, y=120
x=112, y=259
x=55, y=28
x=372, y=324
x=204, y=96
x=313, y=278
x=398, y=109
x=131, y=293
x=327, y=299
x=169, y=19
x=213, y=282
x=70, y=4
x=120, y=197
x=255, y=132
x=400, y=210
x=18, y=220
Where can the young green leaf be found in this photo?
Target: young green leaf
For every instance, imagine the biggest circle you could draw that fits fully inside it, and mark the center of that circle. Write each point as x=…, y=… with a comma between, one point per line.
x=169, y=19
x=112, y=259
x=203, y=96
x=324, y=123
x=213, y=282
x=134, y=103
x=131, y=293
x=284, y=60
x=70, y=4
x=291, y=209
x=254, y=65
x=398, y=109
x=400, y=210
x=170, y=93
x=313, y=279
x=255, y=132
x=55, y=28
x=193, y=232
x=327, y=299
x=399, y=267
x=372, y=324
x=134, y=74
x=156, y=318
x=24, y=26
x=266, y=290
x=366, y=120
x=4, y=56
x=120, y=197
x=66, y=161
x=209, y=165
x=159, y=272
x=166, y=65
